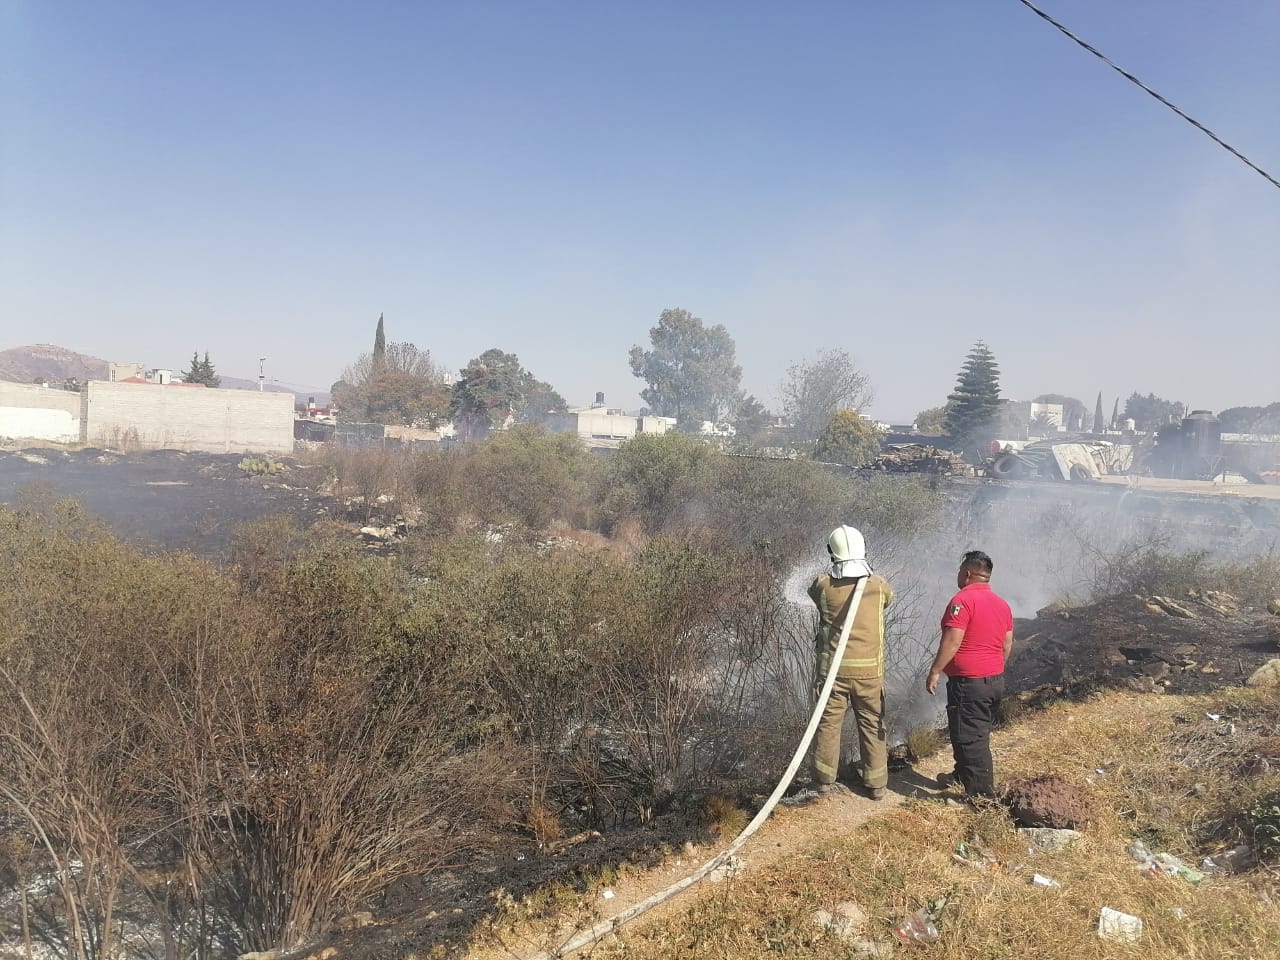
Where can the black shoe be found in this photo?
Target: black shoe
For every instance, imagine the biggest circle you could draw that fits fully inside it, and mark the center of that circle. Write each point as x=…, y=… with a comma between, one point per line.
x=944, y=780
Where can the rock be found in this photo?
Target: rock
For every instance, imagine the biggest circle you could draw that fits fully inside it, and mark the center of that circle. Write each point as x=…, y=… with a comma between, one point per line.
x=1046, y=801
x=1155, y=669
x=847, y=921
x=357, y=920
x=1141, y=684
x=1174, y=608
x=1274, y=607
x=328, y=953
x=1267, y=675
x=1049, y=839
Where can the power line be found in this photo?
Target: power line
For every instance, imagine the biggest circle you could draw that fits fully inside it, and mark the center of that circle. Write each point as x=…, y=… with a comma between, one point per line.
x=1132, y=79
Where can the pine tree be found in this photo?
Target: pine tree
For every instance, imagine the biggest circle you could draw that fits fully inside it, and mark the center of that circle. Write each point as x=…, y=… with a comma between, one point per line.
x=973, y=410
x=1098, y=422
x=201, y=371
x=211, y=378
x=380, y=345
x=1115, y=415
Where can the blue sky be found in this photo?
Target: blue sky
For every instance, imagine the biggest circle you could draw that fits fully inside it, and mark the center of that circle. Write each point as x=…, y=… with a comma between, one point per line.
x=897, y=179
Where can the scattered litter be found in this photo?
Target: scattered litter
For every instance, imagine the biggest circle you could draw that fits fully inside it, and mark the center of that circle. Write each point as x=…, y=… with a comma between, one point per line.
x=1215, y=717
x=1048, y=839
x=1100, y=772
x=1178, y=912
x=1236, y=860
x=974, y=856
x=608, y=894
x=1162, y=864
x=1121, y=927
x=1042, y=881
x=921, y=926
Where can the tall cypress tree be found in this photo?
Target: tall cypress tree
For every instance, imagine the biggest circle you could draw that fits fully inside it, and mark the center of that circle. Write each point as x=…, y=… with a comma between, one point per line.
x=1098, y=423
x=973, y=410
x=380, y=344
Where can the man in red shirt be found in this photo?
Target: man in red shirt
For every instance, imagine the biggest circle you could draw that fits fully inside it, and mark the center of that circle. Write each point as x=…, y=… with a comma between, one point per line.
x=977, y=635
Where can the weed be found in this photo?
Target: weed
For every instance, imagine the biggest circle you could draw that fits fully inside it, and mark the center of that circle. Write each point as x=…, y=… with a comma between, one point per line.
x=923, y=742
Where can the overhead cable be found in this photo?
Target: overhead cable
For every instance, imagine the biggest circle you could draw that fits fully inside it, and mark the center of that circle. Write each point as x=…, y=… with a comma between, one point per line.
x=1132, y=79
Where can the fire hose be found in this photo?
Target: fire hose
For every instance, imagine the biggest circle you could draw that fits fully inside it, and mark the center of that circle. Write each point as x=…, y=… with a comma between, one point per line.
x=606, y=927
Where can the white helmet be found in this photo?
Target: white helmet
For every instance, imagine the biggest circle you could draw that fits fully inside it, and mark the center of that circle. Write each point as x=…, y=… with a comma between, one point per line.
x=848, y=552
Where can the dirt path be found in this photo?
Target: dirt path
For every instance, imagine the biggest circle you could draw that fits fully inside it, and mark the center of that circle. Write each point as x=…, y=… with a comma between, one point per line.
x=788, y=829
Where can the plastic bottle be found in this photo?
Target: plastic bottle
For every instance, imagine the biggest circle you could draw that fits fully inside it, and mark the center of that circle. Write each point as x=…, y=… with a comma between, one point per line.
x=918, y=928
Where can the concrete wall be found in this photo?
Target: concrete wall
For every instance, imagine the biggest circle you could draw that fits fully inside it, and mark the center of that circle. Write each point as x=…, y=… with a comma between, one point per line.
x=29, y=412
x=175, y=417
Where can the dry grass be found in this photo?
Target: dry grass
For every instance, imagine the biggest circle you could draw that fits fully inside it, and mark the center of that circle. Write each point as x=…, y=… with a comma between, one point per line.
x=923, y=742
x=1166, y=781
x=724, y=817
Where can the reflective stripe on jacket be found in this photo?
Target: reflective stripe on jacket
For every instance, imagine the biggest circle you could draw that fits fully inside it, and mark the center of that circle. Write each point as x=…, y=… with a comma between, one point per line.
x=864, y=653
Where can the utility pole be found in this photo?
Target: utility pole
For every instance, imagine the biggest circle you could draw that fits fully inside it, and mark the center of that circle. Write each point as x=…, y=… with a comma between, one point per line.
x=261, y=376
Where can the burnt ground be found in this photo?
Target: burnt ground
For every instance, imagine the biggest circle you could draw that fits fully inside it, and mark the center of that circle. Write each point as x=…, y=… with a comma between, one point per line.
x=1189, y=645
x=188, y=501
x=166, y=498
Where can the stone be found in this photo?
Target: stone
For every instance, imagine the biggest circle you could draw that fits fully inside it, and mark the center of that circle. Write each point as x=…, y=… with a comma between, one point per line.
x=846, y=921
x=1274, y=607
x=1141, y=684
x=1267, y=675
x=1049, y=839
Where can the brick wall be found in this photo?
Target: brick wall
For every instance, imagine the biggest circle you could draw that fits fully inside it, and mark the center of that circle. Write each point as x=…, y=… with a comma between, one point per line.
x=176, y=417
x=30, y=412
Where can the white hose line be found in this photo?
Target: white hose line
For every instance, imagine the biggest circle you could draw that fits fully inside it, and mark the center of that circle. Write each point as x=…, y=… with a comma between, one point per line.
x=613, y=923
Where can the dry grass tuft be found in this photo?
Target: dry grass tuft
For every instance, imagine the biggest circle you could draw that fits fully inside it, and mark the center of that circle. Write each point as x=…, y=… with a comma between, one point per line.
x=723, y=816
x=543, y=823
x=923, y=742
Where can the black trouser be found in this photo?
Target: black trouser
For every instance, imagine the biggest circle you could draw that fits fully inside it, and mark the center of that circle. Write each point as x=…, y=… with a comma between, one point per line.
x=971, y=707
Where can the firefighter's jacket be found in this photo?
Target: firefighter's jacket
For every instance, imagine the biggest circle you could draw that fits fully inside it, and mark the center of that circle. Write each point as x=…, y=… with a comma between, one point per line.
x=864, y=653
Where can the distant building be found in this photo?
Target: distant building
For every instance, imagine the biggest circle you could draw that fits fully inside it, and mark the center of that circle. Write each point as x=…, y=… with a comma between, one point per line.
x=600, y=423
x=118, y=372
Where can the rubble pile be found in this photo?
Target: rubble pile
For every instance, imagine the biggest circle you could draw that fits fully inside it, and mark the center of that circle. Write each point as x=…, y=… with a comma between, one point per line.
x=920, y=458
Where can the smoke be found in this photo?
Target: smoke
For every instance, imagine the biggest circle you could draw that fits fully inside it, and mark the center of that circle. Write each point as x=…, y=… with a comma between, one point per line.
x=1050, y=542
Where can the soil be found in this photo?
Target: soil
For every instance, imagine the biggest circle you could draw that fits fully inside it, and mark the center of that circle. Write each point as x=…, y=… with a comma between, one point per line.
x=166, y=498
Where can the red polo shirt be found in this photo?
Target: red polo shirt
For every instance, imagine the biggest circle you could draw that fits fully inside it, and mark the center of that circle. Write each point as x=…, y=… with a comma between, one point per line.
x=985, y=619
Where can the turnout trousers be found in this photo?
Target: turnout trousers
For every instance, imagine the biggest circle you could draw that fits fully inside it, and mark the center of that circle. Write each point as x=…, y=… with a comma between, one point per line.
x=971, y=708
x=865, y=696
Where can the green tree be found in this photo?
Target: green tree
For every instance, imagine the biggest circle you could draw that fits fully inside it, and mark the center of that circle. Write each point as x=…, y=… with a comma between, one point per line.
x=690, y=371
x=932, y=422
x=751, y=421
x=493, y=387
x=974, y=407
x=405, y=387
x=1151, y=412
x=1251, y=419
x=1073, y=411
x=847, y=439
x=379, y=344
x=1098, y=423
x=815, y=389
x=201, y=371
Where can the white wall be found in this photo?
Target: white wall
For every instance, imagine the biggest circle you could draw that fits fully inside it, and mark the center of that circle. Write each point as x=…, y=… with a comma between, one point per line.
x=29, y=412
x=177, y=417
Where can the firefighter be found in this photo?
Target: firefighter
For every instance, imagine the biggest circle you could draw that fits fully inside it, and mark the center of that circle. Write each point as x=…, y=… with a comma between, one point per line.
x=860, y=682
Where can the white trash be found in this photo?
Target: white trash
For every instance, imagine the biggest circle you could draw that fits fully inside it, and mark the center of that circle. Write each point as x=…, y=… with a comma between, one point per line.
x=1121, y=927
x=1042, y=881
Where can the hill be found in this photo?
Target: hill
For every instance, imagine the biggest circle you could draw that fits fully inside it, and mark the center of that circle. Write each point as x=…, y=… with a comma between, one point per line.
x=46, y=360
